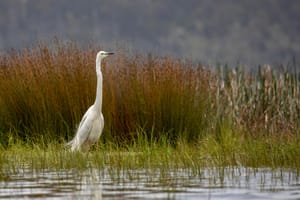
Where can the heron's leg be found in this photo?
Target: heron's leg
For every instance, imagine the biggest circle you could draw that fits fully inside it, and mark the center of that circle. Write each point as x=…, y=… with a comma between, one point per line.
x=86, y=148
x=97, y=146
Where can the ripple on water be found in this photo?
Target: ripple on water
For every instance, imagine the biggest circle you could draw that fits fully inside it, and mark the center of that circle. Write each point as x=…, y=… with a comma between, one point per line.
x=210, y=183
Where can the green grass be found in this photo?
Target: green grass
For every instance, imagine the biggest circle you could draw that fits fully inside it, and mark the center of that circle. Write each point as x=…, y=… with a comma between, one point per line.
x=165, y=112
x=143, y=154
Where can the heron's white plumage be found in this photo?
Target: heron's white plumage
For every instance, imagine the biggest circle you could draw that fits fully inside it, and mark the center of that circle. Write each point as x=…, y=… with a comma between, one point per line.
x=92, y=123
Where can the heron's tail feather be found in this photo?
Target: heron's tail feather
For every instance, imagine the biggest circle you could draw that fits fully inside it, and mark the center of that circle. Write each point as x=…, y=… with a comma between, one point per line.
x=70, y=143
x=74, y=144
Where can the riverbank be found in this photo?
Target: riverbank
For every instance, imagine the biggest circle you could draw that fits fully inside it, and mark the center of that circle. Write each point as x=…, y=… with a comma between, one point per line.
x=228, y=150
x=159, y=112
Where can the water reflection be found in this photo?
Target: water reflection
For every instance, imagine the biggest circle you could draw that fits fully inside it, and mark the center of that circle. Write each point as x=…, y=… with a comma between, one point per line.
x=212, y=183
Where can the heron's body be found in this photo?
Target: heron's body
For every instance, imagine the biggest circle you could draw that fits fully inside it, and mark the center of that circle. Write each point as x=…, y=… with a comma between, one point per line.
x=92, y=123
x=89, y=130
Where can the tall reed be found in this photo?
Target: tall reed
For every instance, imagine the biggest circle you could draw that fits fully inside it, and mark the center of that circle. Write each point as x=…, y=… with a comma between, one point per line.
x=44, y=93
x=46, y=90
x=267, y=102
x=158, y=95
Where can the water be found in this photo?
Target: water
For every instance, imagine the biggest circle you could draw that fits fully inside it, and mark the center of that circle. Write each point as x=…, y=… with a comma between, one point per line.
x=209, y=183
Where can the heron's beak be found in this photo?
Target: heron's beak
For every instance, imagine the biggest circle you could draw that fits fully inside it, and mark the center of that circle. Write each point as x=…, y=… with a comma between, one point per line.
x=109, y=53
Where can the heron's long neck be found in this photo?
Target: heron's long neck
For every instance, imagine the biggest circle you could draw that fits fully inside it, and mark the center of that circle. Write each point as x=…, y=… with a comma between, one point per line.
x=98, y=101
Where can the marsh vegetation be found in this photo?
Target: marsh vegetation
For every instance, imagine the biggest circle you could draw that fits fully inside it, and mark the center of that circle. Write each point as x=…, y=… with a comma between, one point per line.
x=170, y=125
x=165, y=111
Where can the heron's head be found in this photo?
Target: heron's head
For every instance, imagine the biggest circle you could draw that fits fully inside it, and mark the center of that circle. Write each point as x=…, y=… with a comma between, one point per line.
x=103, y=54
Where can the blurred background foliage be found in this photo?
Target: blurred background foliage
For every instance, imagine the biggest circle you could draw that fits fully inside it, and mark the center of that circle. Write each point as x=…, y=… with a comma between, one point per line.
x=230, y=31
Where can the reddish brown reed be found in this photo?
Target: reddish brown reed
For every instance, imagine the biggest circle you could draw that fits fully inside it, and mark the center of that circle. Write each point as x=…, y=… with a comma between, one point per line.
x=45, y=91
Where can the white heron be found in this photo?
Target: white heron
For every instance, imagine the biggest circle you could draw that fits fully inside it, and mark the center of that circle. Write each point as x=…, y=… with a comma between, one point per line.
x=92, y=122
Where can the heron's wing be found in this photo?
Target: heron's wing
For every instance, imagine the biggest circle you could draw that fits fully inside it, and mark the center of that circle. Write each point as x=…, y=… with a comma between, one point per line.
x=83, y=119
x=85, y=127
